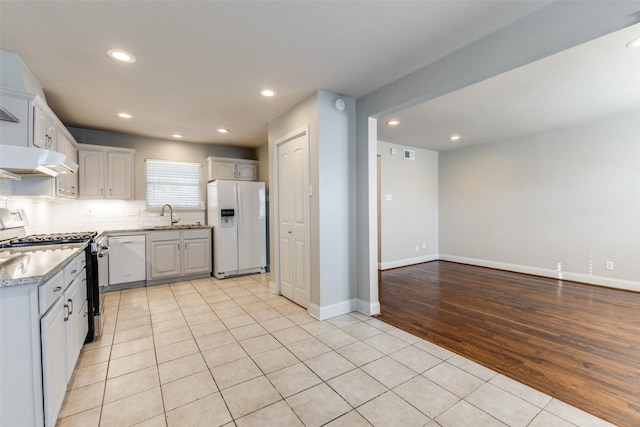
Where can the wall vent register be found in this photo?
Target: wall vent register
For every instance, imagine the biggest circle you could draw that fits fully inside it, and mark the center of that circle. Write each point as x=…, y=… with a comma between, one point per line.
x=409, y=154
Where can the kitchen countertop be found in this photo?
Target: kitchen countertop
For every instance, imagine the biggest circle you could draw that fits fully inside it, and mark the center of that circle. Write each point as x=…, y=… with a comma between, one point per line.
x=156, y=228
x=35, y=264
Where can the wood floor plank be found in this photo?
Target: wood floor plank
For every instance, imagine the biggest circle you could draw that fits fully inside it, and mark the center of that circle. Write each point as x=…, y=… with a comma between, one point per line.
x=576, y=342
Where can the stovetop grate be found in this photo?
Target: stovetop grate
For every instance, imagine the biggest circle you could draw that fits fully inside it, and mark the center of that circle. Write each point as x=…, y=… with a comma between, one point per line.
x=48, y=239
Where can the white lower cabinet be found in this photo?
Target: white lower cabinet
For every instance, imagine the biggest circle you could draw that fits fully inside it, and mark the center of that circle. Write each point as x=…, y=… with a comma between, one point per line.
x=197, y=256
x=178, y=253
x=76, y=322
x=54, y=360
x=165, y=258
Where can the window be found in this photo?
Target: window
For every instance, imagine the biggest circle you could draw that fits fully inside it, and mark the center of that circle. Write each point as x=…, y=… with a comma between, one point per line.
x=175, y=183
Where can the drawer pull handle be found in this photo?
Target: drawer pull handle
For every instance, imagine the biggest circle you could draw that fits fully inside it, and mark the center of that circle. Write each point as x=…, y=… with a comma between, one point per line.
x=74, y=271
x=57, y=289
x=70, y=301
x=68, y=313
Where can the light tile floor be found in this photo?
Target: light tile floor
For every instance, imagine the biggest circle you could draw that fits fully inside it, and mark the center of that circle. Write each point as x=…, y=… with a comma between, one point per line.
x=225, y=353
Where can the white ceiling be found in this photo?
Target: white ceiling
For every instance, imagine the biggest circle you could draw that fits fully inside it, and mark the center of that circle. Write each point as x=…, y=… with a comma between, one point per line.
x=201, y=64
x=594, y=80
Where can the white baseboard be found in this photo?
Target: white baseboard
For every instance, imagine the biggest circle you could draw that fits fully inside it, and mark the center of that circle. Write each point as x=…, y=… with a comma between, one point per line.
x=273, y=288
x=551, y=273
x=405, y=262
x=367, y=308
x=333, y=310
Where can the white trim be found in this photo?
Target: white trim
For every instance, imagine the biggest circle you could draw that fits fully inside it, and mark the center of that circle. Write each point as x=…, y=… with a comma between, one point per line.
x=370, y=309
x=333, y=310
x=608, y=282
x=405, y=262
x=274, y=288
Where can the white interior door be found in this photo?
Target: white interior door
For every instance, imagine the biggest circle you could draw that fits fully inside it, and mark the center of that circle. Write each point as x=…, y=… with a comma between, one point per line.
x=293, y=214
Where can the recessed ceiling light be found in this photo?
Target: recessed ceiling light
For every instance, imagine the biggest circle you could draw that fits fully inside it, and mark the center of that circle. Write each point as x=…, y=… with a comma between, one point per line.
x=121, y=55
x=268, y=92
x=223, y=130
x=454, y=138
x=124, y=115
x=634, y=43
x=393, y=122
x=176, y=135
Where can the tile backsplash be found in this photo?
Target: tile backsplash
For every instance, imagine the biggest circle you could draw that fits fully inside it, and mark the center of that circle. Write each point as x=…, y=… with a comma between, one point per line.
x=59, y=215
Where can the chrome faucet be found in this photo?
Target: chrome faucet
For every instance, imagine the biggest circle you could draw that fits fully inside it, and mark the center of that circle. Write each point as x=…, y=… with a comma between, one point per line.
x=170, y=214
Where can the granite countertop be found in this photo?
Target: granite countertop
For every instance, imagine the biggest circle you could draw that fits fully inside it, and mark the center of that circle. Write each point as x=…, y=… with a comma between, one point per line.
x=35, y=264
x=157, y=228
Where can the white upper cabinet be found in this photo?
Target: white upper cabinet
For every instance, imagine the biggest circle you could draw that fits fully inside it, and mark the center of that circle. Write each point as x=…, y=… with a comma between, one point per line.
x=231, y=169
x=44, y=128
x=120, y=175
x=35, y=125
x=67, y=183
x=105, y=172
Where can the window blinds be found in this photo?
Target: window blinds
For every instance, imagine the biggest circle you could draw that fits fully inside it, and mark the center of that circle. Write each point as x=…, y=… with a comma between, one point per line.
x=175, y=183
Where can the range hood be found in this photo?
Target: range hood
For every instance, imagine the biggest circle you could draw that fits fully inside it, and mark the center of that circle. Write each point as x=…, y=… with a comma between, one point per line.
x=34, y=161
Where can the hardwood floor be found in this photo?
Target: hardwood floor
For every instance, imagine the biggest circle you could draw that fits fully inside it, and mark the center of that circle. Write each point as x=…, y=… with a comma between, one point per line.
x=575, y=342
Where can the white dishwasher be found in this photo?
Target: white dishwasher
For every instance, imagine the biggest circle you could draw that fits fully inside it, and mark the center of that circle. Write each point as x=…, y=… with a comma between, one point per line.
x=127, y=259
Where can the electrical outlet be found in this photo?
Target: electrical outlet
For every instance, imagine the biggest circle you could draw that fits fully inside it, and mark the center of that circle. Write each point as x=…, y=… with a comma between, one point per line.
x=134, y=212
x=417, y=248
x=89, y=212
x=424, y=245
x=608, y=265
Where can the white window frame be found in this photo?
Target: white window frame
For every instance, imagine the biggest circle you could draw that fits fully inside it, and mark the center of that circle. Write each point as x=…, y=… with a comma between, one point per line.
x=168, y=178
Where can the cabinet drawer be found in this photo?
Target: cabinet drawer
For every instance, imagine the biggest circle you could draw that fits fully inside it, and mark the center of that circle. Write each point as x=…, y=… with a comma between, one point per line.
x=50, y=291
x=73, y=269
x=159, y=236
x=200, y=233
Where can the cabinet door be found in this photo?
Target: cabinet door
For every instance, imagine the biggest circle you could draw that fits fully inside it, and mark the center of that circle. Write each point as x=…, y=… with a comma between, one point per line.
x=197, y=256
x=67, y=183
x=165, y=259
x=73, y=329
x=119, y=176
x=224, y=170
x=247, y=172
x=91, y=174
x=52, y=329
x=44, y=131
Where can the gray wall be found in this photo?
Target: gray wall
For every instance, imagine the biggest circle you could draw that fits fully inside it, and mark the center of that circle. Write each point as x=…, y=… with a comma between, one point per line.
x=151, y=148
x=332, y=205
x=262, y=153
x=336, y=192
x=410, y=218
x=571, y=196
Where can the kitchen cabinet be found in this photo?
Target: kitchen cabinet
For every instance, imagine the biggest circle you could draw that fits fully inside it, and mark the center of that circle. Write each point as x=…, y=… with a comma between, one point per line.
x=76, y=321
x=44, y=128
x=54, y=369
x=232, y=169
x=197, y=252
x=36, y=124
x=164, y=251
x=32, y=353
x=67, y=183
x=178, y=254
x=105, y=172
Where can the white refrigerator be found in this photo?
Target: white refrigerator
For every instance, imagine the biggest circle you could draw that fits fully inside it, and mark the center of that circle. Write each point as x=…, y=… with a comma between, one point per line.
x=236, y=210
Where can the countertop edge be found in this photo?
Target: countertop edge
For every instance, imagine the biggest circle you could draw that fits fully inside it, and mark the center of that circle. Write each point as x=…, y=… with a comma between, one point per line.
x=40, y=279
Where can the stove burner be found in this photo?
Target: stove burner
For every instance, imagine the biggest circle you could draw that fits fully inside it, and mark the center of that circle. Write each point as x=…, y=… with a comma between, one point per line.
x=47, y=239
